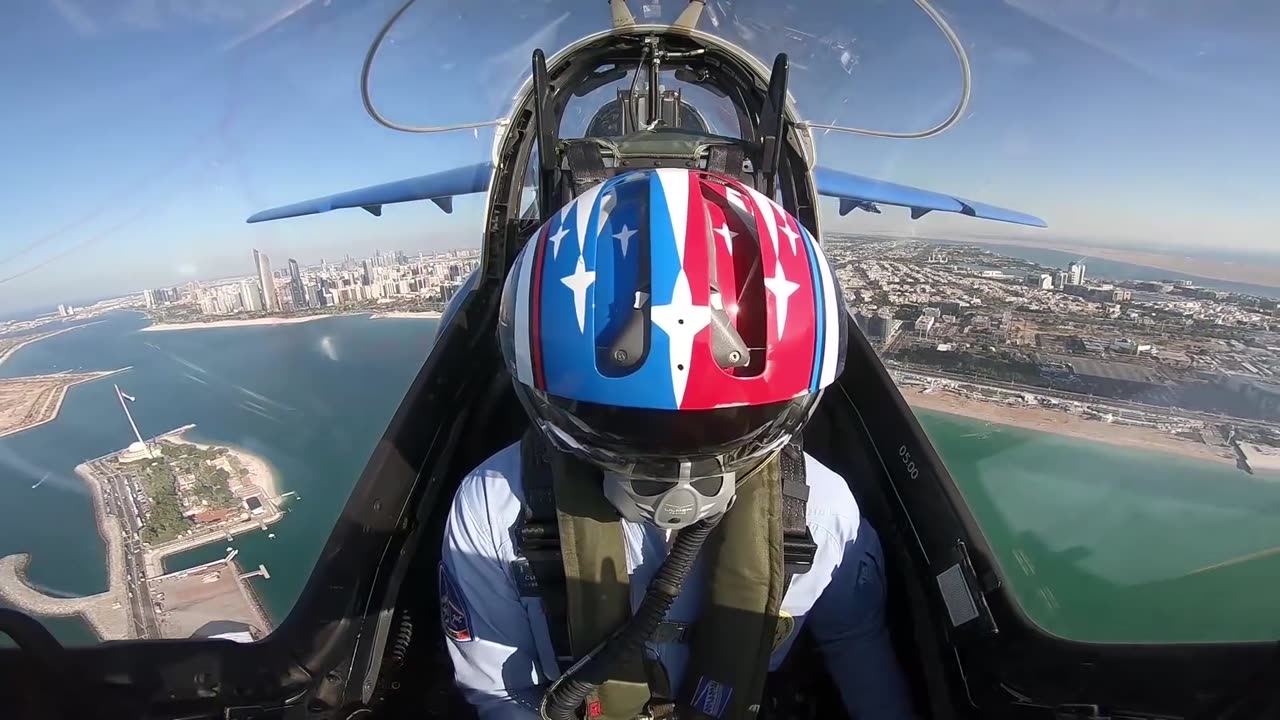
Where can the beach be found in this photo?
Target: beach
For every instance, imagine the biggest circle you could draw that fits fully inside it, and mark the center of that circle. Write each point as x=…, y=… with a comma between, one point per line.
x=404, y=315
x=1062, y=423
x=260, y=473
x=205, y=325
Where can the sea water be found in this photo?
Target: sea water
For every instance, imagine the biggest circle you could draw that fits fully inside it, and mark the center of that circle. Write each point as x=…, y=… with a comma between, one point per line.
x=1097, y=543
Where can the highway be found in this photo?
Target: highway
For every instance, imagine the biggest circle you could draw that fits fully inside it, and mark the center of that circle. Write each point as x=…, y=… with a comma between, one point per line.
x=121, y=501
x=1172, y=411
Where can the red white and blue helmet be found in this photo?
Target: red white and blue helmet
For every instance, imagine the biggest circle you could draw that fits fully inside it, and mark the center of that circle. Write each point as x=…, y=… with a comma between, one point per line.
x=672, y=325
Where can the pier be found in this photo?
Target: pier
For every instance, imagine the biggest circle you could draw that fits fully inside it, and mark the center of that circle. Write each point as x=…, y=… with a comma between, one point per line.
x=112, y=615
x=141, y=600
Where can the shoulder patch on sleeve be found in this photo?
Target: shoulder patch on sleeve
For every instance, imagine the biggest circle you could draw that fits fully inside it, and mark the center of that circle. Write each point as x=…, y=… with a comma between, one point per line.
x=455, y=618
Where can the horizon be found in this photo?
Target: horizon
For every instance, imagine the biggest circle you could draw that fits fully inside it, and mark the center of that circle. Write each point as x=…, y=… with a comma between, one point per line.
x=1129, y=129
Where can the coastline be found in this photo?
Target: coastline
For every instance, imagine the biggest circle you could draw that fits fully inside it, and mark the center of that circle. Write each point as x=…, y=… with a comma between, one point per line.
x=267, y=321
x=59, y=396
x=407, y=315
x=209, y=324
x=260, y=471
x=106, y=613
x=1256, y=274
x=38, y=337
x=1067, y=425
x=261, y=475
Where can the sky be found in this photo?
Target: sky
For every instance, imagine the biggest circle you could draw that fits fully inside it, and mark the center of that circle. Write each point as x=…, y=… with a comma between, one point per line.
x=139, y=134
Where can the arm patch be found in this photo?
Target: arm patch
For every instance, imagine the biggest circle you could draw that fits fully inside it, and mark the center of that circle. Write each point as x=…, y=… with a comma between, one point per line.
x=455, y=617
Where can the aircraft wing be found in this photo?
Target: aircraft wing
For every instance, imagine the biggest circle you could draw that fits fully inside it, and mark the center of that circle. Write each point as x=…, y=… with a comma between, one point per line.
x=854, y=192
x=857, y=191
x=439, y=188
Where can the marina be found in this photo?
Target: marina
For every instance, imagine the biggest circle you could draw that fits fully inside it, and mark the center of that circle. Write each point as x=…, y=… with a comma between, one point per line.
x=134, y=605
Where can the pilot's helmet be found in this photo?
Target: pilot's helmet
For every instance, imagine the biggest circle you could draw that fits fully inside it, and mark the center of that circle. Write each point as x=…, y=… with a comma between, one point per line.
x=674, y=328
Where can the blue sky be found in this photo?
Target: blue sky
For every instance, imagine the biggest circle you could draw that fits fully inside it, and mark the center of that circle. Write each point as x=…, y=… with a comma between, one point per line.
x=138, y=134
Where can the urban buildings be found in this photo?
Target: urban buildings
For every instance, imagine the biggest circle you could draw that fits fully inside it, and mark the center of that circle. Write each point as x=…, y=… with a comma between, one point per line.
x=296, y=292
x=386, y=278
x=978, y=313
x=1075, y=273
x=263, y=265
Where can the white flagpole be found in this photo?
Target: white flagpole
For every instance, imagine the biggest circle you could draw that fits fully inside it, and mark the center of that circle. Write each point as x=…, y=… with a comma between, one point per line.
x=132, y=424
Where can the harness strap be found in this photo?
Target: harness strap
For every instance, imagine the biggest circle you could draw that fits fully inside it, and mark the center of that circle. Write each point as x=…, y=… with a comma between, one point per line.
x=597, y=593
x=542, y=558
x=736, y=629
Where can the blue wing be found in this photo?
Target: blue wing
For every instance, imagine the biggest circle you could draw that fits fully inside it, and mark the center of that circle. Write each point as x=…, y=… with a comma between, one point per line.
x=437, y=187
x=858, y=192
x=854, y=192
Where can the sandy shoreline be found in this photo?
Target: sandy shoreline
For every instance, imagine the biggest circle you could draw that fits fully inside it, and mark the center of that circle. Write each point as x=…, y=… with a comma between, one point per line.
x=408, y=315
x=204, y=325
x=260, y=472
x=254, y=322
x=1062, y=423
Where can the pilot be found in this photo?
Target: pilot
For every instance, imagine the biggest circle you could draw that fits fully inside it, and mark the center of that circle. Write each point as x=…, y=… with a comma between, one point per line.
x=669, y=333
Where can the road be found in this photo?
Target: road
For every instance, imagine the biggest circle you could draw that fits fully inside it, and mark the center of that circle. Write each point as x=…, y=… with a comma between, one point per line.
x=120, y=496
x=1173, y=411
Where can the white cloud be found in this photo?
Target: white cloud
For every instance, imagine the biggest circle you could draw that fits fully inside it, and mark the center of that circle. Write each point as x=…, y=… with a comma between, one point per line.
x=75, y=16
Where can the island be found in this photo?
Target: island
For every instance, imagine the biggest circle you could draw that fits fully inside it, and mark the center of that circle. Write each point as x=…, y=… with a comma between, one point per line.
x=154, y=499
x=26, y=402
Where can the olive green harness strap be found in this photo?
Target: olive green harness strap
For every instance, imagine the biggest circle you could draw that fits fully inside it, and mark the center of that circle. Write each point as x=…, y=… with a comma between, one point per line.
x=598, y=600
x=734, y=636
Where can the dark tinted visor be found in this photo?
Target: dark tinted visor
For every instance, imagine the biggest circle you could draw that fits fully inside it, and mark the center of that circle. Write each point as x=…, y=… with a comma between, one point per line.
x=641, y=442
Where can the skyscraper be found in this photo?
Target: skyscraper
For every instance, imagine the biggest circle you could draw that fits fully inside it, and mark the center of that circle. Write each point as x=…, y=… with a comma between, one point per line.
x=263, y=263
x=250, y=295
x=1076, y=273
x=295, y=285
x=367, y=280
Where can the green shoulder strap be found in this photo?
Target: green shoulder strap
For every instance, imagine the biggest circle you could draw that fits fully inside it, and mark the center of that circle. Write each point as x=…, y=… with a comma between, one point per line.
x=734, y=635
x=597, y=594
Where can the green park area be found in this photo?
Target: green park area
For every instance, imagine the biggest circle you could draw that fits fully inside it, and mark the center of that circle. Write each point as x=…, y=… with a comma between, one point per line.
x=208, y=487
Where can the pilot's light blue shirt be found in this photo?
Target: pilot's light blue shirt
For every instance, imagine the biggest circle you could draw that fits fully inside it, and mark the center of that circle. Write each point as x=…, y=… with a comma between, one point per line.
x=501, y=648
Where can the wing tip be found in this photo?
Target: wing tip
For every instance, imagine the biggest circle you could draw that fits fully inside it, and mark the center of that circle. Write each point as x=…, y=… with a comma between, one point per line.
x=851, y=189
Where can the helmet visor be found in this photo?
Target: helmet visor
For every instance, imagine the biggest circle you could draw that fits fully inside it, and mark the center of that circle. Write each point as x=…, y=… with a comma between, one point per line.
x=671, y=444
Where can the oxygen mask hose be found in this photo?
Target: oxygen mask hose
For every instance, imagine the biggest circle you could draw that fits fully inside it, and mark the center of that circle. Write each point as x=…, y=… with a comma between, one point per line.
x=565, y=695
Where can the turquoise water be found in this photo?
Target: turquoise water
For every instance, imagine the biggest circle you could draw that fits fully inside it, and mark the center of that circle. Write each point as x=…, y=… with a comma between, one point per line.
x=1104, y=543
x=311, y=398
x=1099, y=543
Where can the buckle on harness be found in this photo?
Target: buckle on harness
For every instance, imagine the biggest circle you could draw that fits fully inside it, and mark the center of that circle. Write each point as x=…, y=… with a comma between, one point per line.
x=668, y=632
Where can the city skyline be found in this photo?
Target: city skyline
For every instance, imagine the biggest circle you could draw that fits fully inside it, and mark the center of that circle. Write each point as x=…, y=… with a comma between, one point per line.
x=1109, y=125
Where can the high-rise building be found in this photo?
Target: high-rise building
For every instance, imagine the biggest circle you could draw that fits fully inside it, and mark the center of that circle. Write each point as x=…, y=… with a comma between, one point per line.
x=1060, y=280
x=263, y=264
x=295, y=285
x=367, y=280
x=1075, y=273
x=250, y=296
